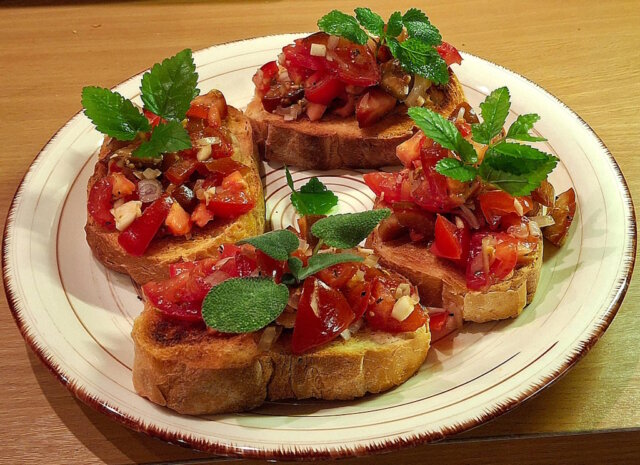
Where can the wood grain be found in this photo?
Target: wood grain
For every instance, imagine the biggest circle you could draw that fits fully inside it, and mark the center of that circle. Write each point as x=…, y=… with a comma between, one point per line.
x=586, y=53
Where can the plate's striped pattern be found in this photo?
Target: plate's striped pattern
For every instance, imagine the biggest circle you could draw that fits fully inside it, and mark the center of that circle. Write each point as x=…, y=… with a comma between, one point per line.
x=77, y=316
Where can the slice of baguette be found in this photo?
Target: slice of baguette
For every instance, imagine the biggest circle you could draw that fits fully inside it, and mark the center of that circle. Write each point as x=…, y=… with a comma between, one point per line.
x=204, y=242
x=337, y=142
x=440, y=284
x=194, y=371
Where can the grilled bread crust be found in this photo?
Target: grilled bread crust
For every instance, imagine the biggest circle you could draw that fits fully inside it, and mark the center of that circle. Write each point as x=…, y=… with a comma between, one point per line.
x=337, y=142
x=442, y=285
x=204, y=242
x=192, y=370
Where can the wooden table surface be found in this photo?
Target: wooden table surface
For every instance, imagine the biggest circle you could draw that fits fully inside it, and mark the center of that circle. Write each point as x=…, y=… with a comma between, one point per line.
x=587, y=53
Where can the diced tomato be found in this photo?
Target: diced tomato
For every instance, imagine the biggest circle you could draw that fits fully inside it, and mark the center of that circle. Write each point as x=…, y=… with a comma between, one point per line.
x=270, y=267
x=315, y=111
x=263, y=77
x=201, y=215
x=137, y=237
x=492, y=262
x=229, y=203
x=431, y=189
x=357, y=294
x=450, y=241
x=562, y=212
x=449, y=53
x=198, y=111
x=181, y=170
x=323, y=313
x=154, y=119
x=234, y=181
x=336, y=276
x=322, y=88
x=495, y=204
x=122, y=186
x=409, y=150
x=304, y=258
x=437, y=321
x=391, y=185
x=181, y=296
x=178, y=221
x=463, y=127
x=373, y=106
x=420, y=222
x=241, y=261
x=381, y=303
x=178, y=268
x=224, y=166
x=99, y=203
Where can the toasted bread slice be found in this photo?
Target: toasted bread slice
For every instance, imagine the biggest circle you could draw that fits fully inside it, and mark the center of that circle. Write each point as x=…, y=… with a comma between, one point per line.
x=337, y=142
x=153, y=265
x=442, y=285
x=192, y=370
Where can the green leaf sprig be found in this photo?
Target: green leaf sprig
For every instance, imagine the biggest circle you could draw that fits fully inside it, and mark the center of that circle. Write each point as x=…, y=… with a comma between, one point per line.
x=515, y=168
x=416, y=54
x=240, y=305
x=313, y=198
x=166, y=90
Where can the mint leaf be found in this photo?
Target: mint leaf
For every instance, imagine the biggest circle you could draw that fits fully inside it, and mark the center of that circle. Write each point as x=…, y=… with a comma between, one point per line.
x=517, y=158
x=277, y=244
x=167, y=137
x=516, y=169
x=444, y=132
x=313, y=198
x=418, y=26
x=520, y=128
x=340, y=24
x=394, y=25
x=420, y=58
x=243, y=305
x=453, y=168
x=371, y=21
x=495, y=109
x=319, y=262
x=169, y=87
x=113, y=114
x=348, y=230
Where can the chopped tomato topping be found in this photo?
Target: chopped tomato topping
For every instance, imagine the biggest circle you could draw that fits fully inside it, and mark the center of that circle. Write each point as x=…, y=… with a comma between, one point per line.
x=154, y=119
x=224, y=166
x=322, y=88
x=178, y=221
x=99, y=203
x=562, y=212
x=437, y=321
x=374, y=106
x=409, y=151
x=492, y=257
x=201, y=215
x=379, y=312
x=230, y=199
x=177, y=268
x=137, y=237
x=357, y=294
x=181, y=170
x=391, y=187
x=451, y=241
x=122, y=187
x=337, y=276
x=323, y=313
x=198, y=111
x=495, y=204
x=449, y=53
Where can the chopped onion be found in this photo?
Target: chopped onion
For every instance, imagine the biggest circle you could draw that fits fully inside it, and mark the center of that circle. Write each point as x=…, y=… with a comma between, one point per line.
x=332, y=42
x=468, y=215
x=543, y=220
x=269, y=336
x=318, y=50
x=151, y=173
x=518, y=207
x=521, y=231
x=149, y=190
x=346, y=334
x=294, y=298
x=204, y=153
x=371, y=261
x=534, y=229
x=208, y=141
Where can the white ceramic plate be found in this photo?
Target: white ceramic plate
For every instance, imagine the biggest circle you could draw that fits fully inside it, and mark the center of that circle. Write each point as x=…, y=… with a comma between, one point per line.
x=77, y=316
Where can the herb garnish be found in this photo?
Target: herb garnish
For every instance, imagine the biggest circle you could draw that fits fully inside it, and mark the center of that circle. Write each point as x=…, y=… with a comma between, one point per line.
x=416, y=54
x=166, y=90
x=313, y=198
x=515, y=168
x=247, y=304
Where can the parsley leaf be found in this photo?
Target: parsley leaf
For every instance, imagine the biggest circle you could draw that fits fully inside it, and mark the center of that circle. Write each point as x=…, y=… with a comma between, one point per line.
x=419, y=27
x=453, y=168
x=340, y=24
x=167, y=137
x=444, y=132
x=319, y=262
x=495, y=109
x=417, y=57
x=113, y=114
x=169, y=87
x=313, y=198
x=394, y=26
x=371, y=21
x=520, y=128
x=348, y=230
x=277, y=244
x=242, y=305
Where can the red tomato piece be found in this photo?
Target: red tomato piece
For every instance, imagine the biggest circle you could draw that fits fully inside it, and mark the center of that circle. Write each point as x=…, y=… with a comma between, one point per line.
x=381, y=303
x=431, y=191
x=181, y=170
x=263, y=77
x=389, y=184
x=450, y=241
x=323, y=313
x=437, y=321
x=464, y=128
x=223, y=166
x=373, y=106
x=99, y=203
x=337, y=276
x=357, y=294
x=495, y=204
x=322, y=88
x=154, y=119
x=201, y=215
x=492, y=262
x=409, y=150
x=240, y=261
x=449, y=53
x=198, y=111
x=230, y=204
x=137, y=237
x=178, y=268
x=269, y=267
x=420, y=222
